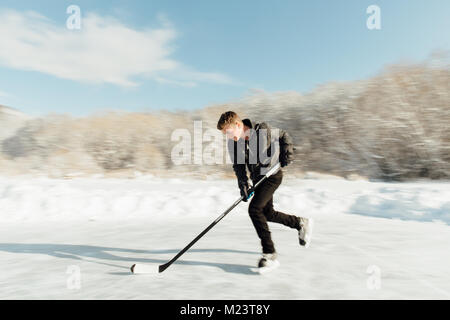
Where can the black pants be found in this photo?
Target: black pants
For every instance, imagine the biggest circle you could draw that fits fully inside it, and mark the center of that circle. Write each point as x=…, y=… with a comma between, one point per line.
x=261, y=211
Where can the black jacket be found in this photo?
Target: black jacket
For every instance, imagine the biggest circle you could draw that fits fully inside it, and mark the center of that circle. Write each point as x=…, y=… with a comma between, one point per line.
x=260, y=152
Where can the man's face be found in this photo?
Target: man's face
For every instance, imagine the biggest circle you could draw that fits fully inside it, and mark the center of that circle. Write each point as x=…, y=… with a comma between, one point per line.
x=233, y=131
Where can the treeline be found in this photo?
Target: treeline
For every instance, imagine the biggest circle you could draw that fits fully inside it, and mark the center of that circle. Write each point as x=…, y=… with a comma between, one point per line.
x=394, y=126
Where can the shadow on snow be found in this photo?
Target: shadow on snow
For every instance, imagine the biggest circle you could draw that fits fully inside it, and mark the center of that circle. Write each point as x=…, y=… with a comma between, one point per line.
x=84, y=252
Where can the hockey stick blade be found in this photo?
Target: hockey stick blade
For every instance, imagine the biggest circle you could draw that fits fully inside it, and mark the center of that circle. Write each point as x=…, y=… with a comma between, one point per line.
x=144, y=269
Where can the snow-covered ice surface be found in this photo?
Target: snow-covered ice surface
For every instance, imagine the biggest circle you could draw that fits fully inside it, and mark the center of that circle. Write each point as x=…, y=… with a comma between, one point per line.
x=76, y=239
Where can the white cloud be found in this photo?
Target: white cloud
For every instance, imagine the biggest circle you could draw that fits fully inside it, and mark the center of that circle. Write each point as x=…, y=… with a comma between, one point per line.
x=3, y=94
x=103, y=51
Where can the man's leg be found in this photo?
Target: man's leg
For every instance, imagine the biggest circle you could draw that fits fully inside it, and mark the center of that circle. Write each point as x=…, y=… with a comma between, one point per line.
x=280, y=217
x=263, y=194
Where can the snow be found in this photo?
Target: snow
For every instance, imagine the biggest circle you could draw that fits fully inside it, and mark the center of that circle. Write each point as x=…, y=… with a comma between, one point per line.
x=77, y=239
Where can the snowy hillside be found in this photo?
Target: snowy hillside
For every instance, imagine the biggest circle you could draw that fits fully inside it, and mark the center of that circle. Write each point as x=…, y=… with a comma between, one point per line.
x=76, y=239
x=10, y=121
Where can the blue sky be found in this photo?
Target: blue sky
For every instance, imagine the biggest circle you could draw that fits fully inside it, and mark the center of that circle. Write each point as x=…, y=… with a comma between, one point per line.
x=203, y=52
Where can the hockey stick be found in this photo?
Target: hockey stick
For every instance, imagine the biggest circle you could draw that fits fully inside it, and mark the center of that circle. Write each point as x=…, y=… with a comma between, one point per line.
x=161, y=268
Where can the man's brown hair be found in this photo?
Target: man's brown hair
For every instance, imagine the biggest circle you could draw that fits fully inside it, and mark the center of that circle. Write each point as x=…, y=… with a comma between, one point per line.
x=227, y=118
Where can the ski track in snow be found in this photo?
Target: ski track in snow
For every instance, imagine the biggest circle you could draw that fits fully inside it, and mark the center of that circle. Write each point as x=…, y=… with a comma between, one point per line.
x=50, y=229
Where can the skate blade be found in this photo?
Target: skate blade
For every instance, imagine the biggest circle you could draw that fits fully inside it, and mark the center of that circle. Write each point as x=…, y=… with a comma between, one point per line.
x=307, y=241
x=265, y=270
x=309, y=237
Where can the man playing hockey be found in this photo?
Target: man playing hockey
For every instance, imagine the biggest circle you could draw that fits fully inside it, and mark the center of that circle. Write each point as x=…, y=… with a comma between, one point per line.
x=256, y=147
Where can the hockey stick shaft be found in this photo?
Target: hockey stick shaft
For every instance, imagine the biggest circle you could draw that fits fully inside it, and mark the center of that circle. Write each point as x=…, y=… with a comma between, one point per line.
x=163, y=267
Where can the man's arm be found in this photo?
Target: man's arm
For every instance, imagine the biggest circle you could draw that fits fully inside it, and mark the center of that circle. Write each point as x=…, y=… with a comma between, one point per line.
x=286, y=148
x=237, y=155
